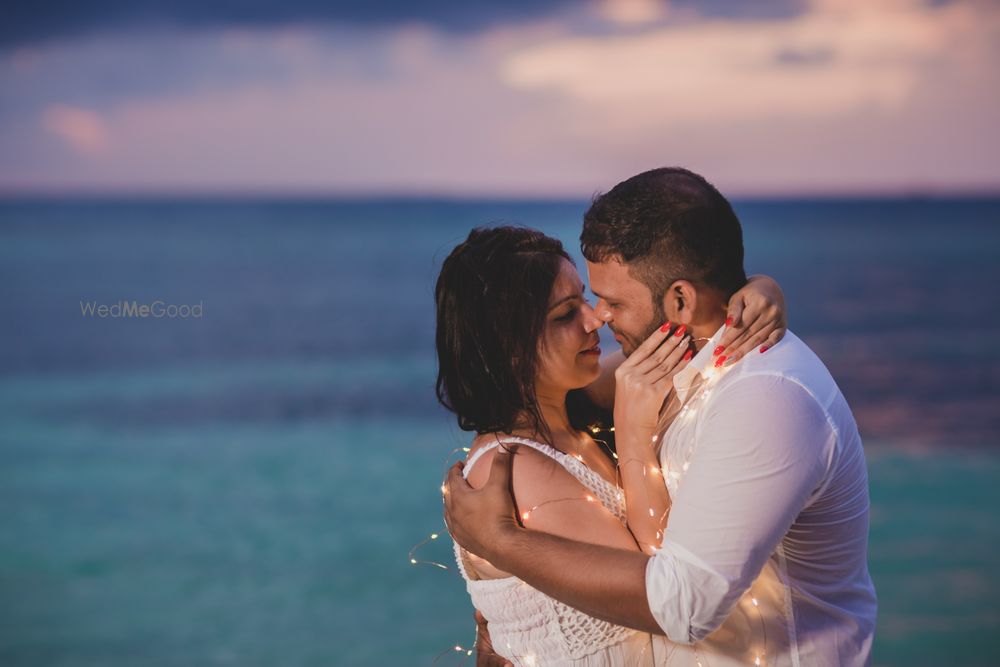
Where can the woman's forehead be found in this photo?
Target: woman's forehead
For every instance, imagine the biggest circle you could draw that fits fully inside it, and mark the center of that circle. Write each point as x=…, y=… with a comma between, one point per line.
x=567, y=283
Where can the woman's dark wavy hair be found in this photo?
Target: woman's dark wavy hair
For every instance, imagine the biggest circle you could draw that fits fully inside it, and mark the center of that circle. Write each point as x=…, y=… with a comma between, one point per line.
x=492, y=300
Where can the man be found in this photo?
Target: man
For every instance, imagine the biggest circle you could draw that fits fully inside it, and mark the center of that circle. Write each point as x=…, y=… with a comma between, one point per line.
x=764, y=556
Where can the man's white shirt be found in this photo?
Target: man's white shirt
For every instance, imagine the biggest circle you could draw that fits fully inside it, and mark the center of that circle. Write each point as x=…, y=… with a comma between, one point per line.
x=765, y=552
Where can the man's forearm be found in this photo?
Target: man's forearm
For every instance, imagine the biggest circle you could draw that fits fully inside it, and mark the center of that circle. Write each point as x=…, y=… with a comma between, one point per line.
x=604, y=582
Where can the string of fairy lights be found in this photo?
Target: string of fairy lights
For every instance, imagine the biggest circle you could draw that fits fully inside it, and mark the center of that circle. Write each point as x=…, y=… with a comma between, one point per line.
x=666, y=476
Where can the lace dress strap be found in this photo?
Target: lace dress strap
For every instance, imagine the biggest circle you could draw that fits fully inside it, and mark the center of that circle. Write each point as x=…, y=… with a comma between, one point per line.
x=610, y=495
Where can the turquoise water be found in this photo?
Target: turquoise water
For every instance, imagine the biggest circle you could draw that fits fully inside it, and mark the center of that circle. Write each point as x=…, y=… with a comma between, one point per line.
x=245, y=489
x=263, y=545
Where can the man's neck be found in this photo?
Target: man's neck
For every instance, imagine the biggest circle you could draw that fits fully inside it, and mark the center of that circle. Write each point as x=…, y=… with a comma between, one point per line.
x=705, y=329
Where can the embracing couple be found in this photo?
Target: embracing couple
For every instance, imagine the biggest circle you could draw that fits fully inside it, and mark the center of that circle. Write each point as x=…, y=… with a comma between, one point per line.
x=728, y=525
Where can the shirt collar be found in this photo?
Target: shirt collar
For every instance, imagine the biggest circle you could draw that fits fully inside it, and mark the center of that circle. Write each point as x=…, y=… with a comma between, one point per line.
x=702, y=364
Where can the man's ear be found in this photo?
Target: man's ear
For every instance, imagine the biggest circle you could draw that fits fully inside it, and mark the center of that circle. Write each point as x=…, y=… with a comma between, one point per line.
x=680, y=302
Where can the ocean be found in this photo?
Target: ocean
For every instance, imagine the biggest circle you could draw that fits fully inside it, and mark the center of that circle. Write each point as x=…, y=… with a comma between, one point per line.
x=243, y=487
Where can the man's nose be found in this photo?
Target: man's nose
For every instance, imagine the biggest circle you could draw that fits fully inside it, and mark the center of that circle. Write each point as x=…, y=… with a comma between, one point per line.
x=591, y=320
x=602, y=311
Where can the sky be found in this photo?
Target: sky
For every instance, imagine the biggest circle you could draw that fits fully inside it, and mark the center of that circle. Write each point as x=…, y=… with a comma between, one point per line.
x=519, y=98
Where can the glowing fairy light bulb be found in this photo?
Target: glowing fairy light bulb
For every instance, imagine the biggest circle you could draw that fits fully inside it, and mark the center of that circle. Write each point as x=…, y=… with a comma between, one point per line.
x=654, y=469
x=590, y=499
x=686, y=466
x=655, y=438
x=413, y=561
x=443, y=490
x=754, y=601
x=651, y=511
x=458, y=648
x=466, y=450
x=526, y=515
x=614, y=455
x=756, y=661
x=434, y=536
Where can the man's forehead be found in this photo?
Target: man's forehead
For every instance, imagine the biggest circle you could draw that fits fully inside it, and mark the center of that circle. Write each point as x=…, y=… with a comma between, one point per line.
x=612, y=278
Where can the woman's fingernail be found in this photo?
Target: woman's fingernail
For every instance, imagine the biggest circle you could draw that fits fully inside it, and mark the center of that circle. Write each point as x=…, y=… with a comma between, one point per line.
x=764, y=348
x=687, y=355
x=720, y=361
x=680, y=330
x=718, y=350
x=666, y=327
x=729, y=321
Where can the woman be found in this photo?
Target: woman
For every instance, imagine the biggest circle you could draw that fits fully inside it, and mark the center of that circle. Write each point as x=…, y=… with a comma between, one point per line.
x=515, y=335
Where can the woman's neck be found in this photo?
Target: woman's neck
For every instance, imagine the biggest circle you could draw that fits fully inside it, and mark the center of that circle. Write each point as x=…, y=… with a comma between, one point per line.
x=553, y=409
x=555, y=419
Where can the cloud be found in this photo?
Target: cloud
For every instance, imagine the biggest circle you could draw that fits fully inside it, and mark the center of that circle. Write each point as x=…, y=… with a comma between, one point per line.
x=26, y=23
x=45, y=20
x=841, y=96
x=82, y=129
x=839, y=57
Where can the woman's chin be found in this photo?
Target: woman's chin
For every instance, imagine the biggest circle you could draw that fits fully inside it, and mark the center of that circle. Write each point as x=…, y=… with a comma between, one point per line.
x=591, y=369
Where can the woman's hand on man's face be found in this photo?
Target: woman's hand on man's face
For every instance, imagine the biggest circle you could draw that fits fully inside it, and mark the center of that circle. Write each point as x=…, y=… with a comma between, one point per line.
x=756, y=320
x=645, y=378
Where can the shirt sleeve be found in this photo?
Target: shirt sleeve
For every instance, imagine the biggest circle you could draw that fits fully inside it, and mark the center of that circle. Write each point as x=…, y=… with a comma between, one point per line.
x=763, y=447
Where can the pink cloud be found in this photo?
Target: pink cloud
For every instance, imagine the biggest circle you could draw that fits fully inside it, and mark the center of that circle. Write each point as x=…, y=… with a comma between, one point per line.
x=83, y=130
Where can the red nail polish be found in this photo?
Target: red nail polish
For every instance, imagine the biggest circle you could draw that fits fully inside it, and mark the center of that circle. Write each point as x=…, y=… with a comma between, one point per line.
x=718, y=350
x=764, y=348
x=729, y=321
x=680, y=330
x=720, y=361
x=687, y=355
x=666, y=327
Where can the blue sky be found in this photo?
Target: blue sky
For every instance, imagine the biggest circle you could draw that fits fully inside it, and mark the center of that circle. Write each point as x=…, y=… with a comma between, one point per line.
x=502, y=99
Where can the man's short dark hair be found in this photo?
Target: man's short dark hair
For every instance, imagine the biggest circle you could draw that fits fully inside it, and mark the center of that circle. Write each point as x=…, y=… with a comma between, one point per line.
x=667, y=224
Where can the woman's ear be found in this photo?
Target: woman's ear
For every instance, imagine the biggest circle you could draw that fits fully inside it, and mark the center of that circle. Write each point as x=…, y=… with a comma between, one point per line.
x=680, y=302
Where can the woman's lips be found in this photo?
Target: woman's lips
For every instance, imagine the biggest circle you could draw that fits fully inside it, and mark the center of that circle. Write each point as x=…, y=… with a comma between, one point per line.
x=593, y=350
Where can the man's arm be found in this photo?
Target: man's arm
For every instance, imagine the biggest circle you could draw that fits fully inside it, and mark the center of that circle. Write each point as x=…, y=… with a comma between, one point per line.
x=764, y=446
x=603, y=581
x=753, y=471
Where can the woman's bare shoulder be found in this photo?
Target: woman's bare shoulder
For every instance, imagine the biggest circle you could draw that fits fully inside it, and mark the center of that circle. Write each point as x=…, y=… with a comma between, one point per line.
x=532, y=469
x=549, y=498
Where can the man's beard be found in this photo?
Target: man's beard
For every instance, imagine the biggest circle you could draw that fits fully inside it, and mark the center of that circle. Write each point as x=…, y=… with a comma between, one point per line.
x=629, y=344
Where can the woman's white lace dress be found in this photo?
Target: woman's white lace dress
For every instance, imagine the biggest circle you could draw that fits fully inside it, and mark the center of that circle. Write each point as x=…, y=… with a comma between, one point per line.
x=530, y=628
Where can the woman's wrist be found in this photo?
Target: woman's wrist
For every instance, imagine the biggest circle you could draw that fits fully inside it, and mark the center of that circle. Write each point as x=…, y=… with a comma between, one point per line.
x=630, y=434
